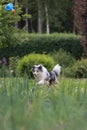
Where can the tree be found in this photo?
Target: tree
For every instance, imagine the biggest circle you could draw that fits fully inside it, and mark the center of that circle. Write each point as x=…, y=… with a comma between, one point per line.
x=47, y=15
x=7, y=24
x=25, y=5
x=58, y=15
x=80, y=21
x=44, y=15
x=16, y=23
x=39, y=5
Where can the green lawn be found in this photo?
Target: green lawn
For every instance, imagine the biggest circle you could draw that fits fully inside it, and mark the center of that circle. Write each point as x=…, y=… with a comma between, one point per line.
x=25, y=106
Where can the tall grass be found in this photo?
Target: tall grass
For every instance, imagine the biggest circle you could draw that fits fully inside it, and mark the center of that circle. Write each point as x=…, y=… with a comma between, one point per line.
x=25, y=106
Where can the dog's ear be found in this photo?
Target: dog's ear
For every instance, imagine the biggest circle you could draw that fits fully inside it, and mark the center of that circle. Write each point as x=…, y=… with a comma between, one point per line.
x=40, y=67
x=33, y=67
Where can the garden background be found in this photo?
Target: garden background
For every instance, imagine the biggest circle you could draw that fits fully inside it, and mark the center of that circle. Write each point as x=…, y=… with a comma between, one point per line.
x=42, y=32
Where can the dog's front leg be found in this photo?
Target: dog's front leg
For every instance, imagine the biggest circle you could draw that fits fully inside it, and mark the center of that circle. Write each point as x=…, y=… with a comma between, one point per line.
x=40, y=82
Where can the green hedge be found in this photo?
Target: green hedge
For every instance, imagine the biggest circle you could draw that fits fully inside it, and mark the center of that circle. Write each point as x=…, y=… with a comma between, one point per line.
x=44, y=44
x=25, y=63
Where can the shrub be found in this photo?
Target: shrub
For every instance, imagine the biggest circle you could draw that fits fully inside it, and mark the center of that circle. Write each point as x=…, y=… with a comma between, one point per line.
x=4, y=72
x=13, y=62
x=3, y=67
x=68, y=72
x=78, y=70
x=25, y=63
x=63, y=58
x=44, y=44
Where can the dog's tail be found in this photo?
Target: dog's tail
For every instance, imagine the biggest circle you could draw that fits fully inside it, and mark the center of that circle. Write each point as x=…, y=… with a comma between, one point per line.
x=57, y=69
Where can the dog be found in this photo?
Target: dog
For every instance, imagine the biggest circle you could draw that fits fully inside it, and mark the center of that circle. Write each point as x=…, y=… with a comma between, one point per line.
x=42, y=75
x=53, y=75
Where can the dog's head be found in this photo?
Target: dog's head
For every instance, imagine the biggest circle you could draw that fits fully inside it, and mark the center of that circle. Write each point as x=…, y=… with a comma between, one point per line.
x=37, y=70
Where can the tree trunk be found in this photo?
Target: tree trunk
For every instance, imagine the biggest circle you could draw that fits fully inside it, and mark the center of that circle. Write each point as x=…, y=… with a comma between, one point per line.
x=26, y=24
x=39, y=16
x=80, y=20
x=16, y=23
x=47, y=19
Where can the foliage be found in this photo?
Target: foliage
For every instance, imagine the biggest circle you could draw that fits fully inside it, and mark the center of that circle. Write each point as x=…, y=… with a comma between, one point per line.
x=7, y=22
x=25, y=106
x=4, y=71
x=63, y=58
x=29, y=43
x=3, y=67
x=78, y=70
x=60, y=14
x=25, y=64
x=13, y=62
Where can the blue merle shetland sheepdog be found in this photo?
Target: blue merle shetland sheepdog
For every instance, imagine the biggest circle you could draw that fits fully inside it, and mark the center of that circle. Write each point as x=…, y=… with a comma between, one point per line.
x=42, y=75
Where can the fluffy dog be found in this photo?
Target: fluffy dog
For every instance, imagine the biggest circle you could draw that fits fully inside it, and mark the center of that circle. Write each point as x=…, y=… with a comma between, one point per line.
x=42, y=75
x=53, y=75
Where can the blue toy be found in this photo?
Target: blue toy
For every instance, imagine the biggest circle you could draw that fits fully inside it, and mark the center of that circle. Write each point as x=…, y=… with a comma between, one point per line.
x=10, y=7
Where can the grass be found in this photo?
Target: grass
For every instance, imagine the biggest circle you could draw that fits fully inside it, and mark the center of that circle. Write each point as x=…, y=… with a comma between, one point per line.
x=25, y=106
